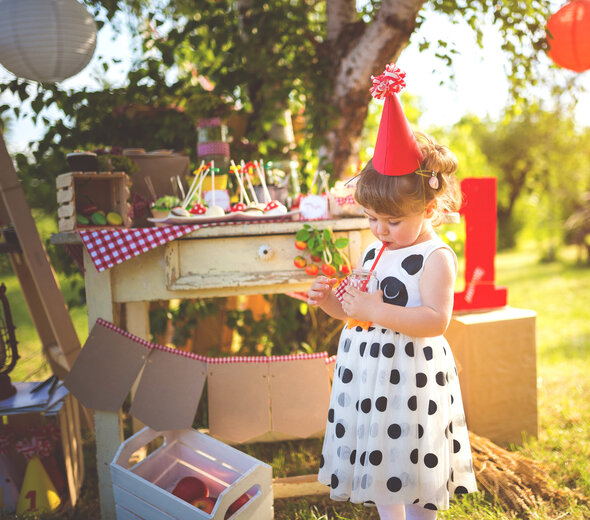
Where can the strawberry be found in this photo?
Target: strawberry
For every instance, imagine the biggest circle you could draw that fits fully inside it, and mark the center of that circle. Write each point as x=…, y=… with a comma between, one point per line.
x=312, y=269
x=300, y=262
x=328, y=269
x=300, y=244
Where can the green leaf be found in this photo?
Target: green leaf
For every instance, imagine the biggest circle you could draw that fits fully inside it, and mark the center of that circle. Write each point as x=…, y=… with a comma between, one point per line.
x=303, y=235
x=341, y=242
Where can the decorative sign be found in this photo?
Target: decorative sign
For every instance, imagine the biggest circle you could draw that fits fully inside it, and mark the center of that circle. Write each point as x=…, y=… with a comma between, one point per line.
x=479, y=211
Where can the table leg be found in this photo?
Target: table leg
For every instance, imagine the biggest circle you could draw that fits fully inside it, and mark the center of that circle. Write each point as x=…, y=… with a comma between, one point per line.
x=107, y=425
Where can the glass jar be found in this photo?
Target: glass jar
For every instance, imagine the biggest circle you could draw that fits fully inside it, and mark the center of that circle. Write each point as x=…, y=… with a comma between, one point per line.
x=364, y=280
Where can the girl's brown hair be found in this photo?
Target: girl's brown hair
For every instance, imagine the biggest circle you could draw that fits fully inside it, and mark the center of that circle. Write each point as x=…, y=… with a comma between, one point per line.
x=410, y=194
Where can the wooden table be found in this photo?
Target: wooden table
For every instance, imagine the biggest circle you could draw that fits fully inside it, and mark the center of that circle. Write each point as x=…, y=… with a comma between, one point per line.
x=210, y=262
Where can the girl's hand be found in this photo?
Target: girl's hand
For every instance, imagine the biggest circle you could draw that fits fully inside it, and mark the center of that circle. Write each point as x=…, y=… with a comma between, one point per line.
x=360, y=305
x=320, y=290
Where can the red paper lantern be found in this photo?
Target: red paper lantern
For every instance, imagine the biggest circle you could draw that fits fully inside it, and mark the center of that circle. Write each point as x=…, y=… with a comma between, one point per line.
x=568, y=34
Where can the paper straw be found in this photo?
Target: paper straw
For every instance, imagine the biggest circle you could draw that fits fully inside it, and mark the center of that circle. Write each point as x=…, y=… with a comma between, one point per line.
x=192, y=188
x=250, y=187
x=212, y=183
x=261, y=176
x=364, y=286
x=240, y=182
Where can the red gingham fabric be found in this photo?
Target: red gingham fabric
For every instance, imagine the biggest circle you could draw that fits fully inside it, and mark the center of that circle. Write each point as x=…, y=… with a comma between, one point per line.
x=341, y=201
x=109, y=247
x=341, y=289
x=211, y=360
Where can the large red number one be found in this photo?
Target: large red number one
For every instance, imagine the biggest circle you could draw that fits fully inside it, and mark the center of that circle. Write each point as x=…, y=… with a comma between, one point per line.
x=479, y=211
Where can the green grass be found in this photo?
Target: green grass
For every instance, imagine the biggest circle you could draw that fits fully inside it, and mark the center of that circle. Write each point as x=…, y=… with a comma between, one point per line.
x=560, y=294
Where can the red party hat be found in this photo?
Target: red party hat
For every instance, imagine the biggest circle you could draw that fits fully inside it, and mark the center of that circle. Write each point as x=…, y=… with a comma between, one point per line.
x=396, y=151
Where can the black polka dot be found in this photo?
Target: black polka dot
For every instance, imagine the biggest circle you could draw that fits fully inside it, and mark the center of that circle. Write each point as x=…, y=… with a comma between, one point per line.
x=370, y=329
x=416, y=501
x=452, y=476
x=413, y=263
x=366, y=405
x=374, y=352
x=383, y=331
x=430, y=460
x=340, y=430
x=322, y=460
x=410, y=349
x=420, y=431
x=331, y=415
x=427, y=353
x=394, y=291
x=445, y=350
x=365, y=481
x=451, y=426
x=412, y=403
x=352, y=456
x=394, y=377
x=394, y=484
x=460, y=490
x=452, y=399
x=432, y=407
x=363, y=458
x=430, y=506
x=357, y=406
x=388, y=350
x=375, y=457
x=370, y=255
x=358, y=328
x=346, y=346
x=347, y=375
x=394, y=431
x=381, y=403
x=456, y=446
x=421, y=380
x=334, y=481
x=414, y=456
x=440, y=378
x=362, y=348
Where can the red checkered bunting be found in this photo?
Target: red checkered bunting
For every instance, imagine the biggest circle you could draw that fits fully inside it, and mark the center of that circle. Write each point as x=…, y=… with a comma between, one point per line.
x=109, y=247
x=212, y=360
x=341, y=289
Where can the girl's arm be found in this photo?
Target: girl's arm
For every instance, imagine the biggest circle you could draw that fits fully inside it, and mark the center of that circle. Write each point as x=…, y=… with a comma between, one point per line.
x=430, y=319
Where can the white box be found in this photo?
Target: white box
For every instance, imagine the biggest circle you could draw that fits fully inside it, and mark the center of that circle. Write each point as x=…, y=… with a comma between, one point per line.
x=143, y=490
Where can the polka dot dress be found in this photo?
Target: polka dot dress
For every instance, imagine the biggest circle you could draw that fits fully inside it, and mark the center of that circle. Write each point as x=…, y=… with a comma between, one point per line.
x=396, y=431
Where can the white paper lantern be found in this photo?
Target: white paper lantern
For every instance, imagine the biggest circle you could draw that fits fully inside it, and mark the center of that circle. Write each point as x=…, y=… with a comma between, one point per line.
x=45, y=40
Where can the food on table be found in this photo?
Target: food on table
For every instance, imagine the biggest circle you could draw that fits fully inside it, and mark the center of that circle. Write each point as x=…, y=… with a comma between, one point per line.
x=98, y=218
x=114, y=219
x=274, y=207
x=180, y=212
x=198, y=209
x=166, y=203
x=214, y=211
x=82, y=220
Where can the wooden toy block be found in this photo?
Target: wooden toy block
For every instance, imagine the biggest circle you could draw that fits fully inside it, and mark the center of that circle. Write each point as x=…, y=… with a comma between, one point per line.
x=108, y=191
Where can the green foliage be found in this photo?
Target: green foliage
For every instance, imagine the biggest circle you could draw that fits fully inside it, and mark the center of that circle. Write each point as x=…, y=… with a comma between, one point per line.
x=321, y=243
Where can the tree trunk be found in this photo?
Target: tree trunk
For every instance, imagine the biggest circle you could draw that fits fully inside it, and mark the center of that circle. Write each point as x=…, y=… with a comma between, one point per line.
x=359, y=50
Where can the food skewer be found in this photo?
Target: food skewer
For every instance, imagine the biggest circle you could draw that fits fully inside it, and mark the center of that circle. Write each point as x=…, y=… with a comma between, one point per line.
x=191, y=191
x=150, y=187
x=261, y=176
x=250, y=187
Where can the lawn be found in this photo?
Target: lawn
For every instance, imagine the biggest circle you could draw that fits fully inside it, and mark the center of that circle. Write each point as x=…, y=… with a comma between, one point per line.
x=560, y=294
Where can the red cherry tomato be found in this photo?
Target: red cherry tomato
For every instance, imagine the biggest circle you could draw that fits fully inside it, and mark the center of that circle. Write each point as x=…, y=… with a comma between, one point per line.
x=312, y=269
x=328, y=270
x=300, y=244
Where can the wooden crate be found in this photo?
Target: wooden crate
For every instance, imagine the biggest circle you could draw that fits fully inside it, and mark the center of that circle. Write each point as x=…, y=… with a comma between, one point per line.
x=108, y=191
x=66, y=415
x=143, y=490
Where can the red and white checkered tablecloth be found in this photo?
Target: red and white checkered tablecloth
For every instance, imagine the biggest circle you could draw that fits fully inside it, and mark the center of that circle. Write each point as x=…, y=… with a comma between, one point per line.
x=109, y=247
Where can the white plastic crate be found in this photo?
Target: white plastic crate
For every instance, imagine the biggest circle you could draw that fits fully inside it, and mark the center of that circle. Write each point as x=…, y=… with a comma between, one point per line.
x=143, y=490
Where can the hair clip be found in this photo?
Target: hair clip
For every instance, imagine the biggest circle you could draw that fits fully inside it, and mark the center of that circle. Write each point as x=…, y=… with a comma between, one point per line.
x=433, y=178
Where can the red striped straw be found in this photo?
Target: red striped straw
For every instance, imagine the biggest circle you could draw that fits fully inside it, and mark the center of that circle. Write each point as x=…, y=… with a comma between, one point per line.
x=364, y=287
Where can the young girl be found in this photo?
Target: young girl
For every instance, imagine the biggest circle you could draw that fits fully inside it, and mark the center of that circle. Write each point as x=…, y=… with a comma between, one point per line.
x=396, y=435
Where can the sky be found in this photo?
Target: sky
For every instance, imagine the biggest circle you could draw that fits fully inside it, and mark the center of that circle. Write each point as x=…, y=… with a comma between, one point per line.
x=479, y=87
